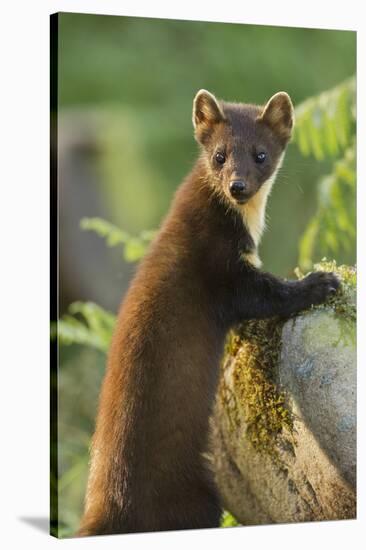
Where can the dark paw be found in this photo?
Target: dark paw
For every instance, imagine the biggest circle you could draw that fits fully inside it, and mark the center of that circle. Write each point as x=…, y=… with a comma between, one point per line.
x=320, y=286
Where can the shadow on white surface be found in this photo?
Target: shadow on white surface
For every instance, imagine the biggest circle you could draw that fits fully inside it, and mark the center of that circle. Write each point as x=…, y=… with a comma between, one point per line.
x=40, y=523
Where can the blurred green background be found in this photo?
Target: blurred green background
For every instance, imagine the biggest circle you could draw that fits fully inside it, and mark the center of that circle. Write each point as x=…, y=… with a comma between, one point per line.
x=125, y=142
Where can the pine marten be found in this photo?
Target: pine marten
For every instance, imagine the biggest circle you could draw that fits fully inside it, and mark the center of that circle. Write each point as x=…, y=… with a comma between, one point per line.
x=199, y=278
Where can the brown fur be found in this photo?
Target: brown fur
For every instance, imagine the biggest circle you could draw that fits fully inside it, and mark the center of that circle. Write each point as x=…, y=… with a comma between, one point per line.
x=148, y=470
x=154, y=404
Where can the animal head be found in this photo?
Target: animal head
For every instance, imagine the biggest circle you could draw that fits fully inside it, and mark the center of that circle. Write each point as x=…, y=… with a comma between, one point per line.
x=242, y=144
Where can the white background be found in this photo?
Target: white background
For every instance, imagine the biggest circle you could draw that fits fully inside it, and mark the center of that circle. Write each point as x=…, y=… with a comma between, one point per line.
x=24, y=261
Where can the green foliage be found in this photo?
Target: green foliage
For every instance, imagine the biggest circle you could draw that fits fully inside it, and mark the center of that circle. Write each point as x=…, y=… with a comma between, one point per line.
x=134, y=248
x=93, y=327
x=79, y=377
x=332, y=230
x=326, y=126
x=228, y=520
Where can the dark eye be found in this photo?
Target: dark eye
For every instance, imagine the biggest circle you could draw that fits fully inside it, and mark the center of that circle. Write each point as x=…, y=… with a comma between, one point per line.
x=260, y=157
x=220, y=158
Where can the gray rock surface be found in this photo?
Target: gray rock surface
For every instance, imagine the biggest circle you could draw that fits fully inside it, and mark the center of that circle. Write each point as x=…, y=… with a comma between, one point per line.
x=304, y=469
x=318, y=370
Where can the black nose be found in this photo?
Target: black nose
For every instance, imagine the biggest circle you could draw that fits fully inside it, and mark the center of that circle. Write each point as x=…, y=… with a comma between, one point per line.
x=237, y=188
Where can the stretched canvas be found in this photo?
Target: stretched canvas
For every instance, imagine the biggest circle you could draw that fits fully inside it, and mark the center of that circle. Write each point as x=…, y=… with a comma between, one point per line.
x=203, y=308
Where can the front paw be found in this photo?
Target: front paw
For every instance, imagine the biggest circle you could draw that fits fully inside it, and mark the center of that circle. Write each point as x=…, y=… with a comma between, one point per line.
x=320, y=285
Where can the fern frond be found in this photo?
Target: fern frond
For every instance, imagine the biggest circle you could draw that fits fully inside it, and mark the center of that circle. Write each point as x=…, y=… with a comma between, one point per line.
x=87, y=324
x=134, y=248
x=332, y=229
x=325, y=124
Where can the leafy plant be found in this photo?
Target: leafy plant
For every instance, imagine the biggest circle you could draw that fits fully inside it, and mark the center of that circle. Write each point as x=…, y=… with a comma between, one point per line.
x=325, y=124
x=332, y=229
x=134, y=248
x=86, y=324
x=326, y=127
x=228, y=520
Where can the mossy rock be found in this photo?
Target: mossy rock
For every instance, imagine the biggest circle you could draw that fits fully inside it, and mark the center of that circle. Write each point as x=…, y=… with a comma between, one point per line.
x=284, y=427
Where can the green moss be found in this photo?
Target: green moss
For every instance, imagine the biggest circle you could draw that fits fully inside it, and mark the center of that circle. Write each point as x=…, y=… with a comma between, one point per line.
x=233, y=343
x=264, y=406
x=255, y=349
x=344, y=301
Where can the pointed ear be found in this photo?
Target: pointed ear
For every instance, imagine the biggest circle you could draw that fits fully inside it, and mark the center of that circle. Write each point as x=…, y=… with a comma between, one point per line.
x=206, y=113
x=278, y=114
